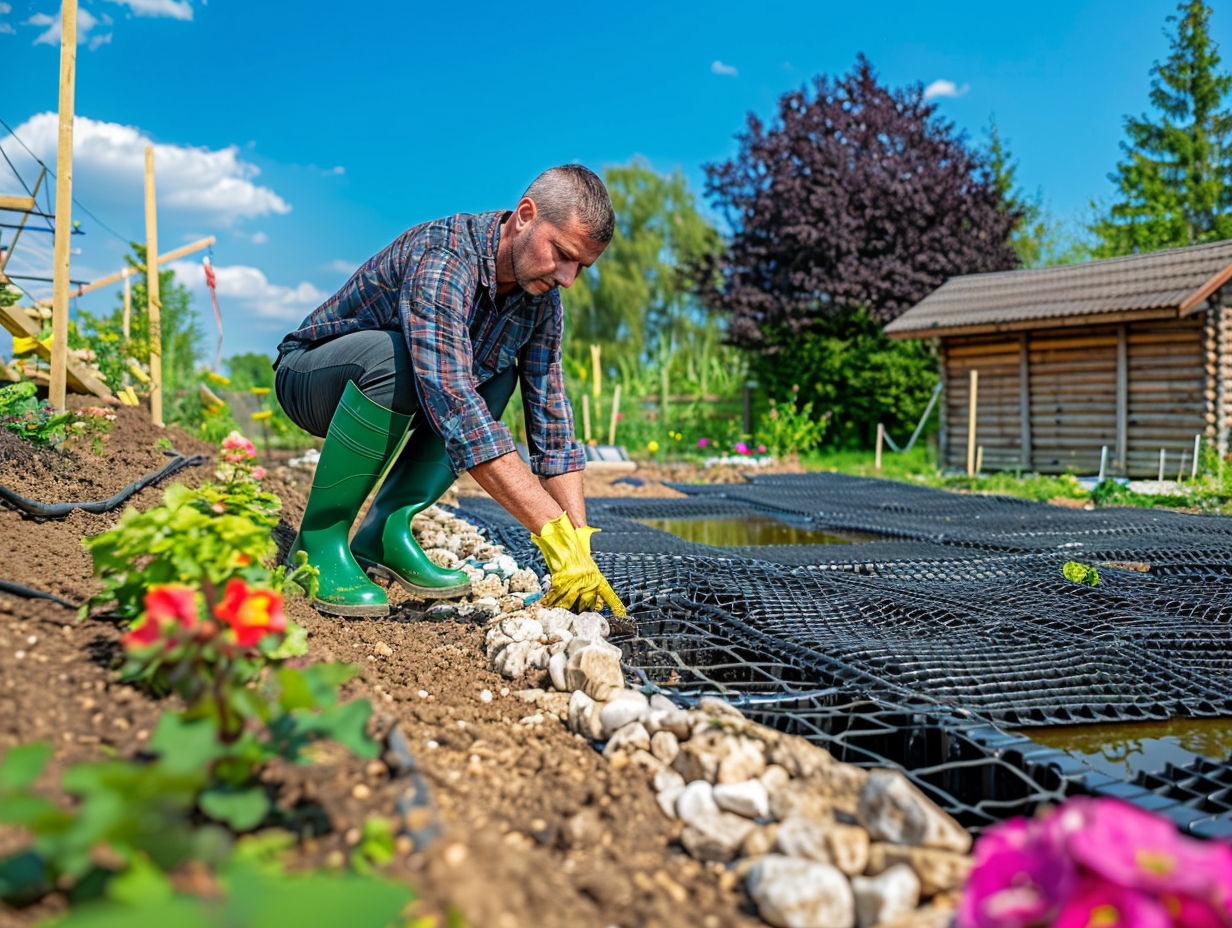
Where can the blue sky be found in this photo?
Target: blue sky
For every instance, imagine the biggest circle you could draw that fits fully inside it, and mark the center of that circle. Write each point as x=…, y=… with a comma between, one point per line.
x=307, y=136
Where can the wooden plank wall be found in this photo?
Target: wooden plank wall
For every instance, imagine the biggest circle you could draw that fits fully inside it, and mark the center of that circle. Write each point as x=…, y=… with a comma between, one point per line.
x=1167, y=383
x=997, y=418
x=1073, y=396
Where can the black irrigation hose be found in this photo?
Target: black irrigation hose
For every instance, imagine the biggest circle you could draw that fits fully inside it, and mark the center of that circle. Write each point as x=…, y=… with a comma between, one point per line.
x=60, y=510
x=19, y=590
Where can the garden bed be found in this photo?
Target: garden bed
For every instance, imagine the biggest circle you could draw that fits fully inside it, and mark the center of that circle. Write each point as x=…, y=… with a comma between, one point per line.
x=513, y=847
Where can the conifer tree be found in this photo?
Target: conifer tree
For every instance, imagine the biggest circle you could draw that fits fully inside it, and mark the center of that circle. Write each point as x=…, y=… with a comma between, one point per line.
x=1175, y=184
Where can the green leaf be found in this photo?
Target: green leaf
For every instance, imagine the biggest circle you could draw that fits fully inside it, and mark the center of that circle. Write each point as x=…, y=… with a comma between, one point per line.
x=243, y=810
x=141, y=884
x=23, y=764
x=347, y=724
x=294, y=644
x=23, y=878
x=186, y=745
x=260, y=900
x=1080, y=573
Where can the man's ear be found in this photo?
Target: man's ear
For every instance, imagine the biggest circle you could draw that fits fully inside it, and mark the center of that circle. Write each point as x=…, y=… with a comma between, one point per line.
x=524, y=214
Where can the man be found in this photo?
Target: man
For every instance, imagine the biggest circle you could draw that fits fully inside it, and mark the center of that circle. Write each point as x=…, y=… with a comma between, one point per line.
x=432, y=335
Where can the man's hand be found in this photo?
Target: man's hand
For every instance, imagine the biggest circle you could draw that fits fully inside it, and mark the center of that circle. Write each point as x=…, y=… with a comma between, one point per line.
x=576, y=580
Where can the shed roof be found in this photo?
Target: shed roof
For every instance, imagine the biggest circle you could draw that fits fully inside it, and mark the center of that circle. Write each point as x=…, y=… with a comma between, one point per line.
x=1160, y=284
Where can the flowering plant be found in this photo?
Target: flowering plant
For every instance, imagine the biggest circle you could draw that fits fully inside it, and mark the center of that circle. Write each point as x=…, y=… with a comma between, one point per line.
x=1096, y=862
x=789, y=429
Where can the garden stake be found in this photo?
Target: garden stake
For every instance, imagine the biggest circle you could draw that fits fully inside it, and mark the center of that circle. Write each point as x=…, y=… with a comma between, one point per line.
x=1193, y=474
x=1162, y=455
x=585, y=417
x=971, y=408
x=1180, y=471
x=979, y=459
x=611, y=431
x=880, y=439
x=1103, y=463
x=151, y=283
x=64, y=205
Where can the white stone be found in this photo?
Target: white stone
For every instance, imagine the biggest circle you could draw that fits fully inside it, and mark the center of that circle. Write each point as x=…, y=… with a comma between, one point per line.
x=530, y=630
x=667, y=779
x=556, y=620
x=495, y=639
x=745, y=760
x=523, y=581
x=556, y=670
x=804, y=837
x=665, y=746
x=748, y=798
x=668, y=799
x=538, y=658
x=579, y=707
x=715, y=836
x=886, y=896
x=596, y=671
x=794, y=893
x=672, y=720
x=560, y=637
x=696, y=800
x=659, y=701
x=939, y=871
x=630, y=738
x=591, y=625
x=626, y=706
x=894, y=810
x=775, y=778
x=510, y=661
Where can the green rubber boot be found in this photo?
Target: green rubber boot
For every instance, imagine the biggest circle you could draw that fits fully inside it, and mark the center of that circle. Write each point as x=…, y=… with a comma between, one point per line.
x=362, y=438
x=384, y=546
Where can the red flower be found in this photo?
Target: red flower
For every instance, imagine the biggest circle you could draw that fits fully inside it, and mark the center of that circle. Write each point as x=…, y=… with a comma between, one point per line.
x=142, y=635
x=173, y=604
x=252, y=614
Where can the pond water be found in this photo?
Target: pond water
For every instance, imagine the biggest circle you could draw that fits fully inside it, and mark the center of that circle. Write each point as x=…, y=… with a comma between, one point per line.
x=1122, y=750
x=750, y=530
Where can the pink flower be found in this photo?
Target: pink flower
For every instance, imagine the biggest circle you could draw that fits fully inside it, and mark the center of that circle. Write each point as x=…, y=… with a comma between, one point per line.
x=172, y=604
x=258, y=473
x=1096, y=904
x=235, y=442
x=1130, y=847
x=761, y=449
x=703, y=442
x=1020, y=878
x=741, y=448
x=219, y=508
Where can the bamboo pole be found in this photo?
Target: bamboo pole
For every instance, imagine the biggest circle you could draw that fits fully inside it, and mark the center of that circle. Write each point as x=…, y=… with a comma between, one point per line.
x=585, y=417
x=979, y=459
x=128, y=305
x=971, y=410
x=151, y=277
x=64, y=205
x=611, y=429
x=597, y=367
x=880, y=441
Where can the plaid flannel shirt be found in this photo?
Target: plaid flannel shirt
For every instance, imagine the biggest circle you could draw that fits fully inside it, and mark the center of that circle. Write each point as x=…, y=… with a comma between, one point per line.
x=437, y=284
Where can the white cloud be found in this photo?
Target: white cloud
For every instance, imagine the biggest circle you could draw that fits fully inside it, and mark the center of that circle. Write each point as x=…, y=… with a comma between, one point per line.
x=727, y=70
x=50, y=25
x=944, y=88
x=342, y=266
x=176, y=9
x=259, y=238
x=6, y=28
x=210, y=186
x=337, y=169
x=250, y=287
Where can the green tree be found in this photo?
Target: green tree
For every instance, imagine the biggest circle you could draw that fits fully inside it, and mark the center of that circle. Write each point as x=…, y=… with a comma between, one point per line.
x=250, y=370
x=1175, y=183
x=636, y=294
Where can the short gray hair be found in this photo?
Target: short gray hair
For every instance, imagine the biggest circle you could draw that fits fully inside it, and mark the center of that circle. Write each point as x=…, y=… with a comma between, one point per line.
x=560, y=193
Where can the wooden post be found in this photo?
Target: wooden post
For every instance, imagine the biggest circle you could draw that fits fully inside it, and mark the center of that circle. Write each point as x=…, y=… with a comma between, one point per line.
x=979, y=459
x=972, y=406
x=1162, y=456
x=585, y=417
x=1121, y=459
x=64, y=205
x=597, y=367
x=611, y=430
x=128, y=306
x=1197, y=454
x=1024, y=401
x=880, y=440
x=1103, y=463
x=151, y=281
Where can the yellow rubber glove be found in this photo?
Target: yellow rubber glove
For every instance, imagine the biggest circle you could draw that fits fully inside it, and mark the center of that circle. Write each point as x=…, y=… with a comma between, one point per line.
x=576, y=580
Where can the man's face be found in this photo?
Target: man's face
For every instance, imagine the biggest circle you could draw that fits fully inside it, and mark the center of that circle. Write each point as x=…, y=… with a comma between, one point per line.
x=547, y=256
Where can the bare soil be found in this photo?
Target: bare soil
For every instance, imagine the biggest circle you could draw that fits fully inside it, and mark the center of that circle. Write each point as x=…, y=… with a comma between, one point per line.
x=538, y=829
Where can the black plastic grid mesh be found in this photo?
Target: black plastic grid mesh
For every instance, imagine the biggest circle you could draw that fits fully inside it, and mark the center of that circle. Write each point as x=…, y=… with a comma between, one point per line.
x=962, y=609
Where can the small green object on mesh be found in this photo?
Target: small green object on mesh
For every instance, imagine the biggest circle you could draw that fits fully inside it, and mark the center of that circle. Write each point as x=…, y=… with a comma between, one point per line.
x=1081, y=573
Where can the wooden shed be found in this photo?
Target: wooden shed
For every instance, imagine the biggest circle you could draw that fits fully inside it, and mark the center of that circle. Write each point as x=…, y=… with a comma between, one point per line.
x=1133, y=354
